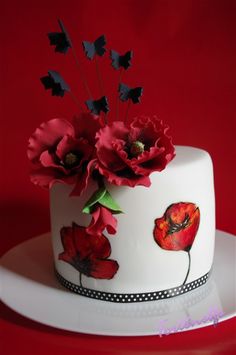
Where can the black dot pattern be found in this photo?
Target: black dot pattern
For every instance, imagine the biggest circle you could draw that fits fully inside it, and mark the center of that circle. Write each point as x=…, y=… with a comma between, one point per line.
x=132, y=297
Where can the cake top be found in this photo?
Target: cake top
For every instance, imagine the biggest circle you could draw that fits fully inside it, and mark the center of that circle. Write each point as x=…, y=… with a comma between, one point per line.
x=185, y=156
x=98, y=143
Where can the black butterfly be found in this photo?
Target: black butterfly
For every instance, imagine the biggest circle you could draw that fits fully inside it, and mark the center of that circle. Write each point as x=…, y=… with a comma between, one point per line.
x=55, y=82
x=60, y=39
x=127, y=93
x=97, y=47
x=96, y=106
x=121, y=60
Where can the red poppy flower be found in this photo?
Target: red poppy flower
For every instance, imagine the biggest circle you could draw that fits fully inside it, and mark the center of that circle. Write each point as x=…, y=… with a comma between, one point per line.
x=62, y=152
x=127, y=155
x=102, y=218
x=87, y=253
x=177, y=229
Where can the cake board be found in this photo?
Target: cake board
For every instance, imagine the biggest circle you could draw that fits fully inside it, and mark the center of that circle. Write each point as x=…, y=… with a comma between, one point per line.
x=29, y=287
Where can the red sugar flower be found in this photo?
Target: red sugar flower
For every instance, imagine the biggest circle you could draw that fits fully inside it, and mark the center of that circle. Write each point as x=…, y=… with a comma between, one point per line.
x=87, y=253
x=102, y=218
x=62, y=152
x=127, y=155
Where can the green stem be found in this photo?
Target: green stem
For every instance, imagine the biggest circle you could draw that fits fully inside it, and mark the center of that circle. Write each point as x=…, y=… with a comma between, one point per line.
x=189, y=264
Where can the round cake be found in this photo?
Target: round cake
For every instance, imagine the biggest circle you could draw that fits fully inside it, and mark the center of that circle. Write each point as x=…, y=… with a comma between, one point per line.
x=164, y=244
x=132, y=217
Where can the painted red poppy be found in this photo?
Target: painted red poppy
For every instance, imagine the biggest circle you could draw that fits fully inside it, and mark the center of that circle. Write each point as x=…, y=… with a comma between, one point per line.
x=177, y=229
x=87, y=253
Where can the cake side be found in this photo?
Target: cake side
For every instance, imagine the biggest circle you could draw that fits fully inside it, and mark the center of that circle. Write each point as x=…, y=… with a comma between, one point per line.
x=144, y=266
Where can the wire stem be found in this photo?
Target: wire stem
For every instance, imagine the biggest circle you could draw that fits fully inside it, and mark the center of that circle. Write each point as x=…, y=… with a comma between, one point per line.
x=76, y=101
x=105, y=119
x=127, y=111
x=100, y=83
x=118, y=96
x=84, y=81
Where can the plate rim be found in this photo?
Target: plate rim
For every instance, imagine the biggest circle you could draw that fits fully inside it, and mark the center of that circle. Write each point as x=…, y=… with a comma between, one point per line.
x=85, y=330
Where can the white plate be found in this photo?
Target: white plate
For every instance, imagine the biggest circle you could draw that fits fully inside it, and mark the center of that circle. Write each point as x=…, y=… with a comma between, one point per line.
x=29, y=287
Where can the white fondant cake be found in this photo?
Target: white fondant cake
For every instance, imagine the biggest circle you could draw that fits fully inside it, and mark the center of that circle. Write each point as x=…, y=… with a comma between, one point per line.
x=147, y=270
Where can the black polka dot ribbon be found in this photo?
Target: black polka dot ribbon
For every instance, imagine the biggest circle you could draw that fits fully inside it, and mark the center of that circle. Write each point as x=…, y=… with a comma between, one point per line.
x=133, y=297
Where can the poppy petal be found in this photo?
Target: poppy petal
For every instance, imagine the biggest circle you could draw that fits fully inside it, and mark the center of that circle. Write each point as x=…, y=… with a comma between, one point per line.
x=47, y=177
x=102, y=218
x=47, y=135
x=104, y=269
x=67, y=239
x=82, y=179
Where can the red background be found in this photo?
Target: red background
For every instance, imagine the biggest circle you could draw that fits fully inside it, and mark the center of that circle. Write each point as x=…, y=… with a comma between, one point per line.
x=184, y=57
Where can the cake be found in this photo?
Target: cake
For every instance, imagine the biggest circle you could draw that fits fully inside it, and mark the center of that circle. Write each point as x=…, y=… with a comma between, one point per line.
x=146, y=271
x=132, y=216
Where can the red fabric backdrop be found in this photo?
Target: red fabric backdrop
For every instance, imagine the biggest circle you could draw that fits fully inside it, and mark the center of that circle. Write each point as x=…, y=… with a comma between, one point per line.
x=184, y=57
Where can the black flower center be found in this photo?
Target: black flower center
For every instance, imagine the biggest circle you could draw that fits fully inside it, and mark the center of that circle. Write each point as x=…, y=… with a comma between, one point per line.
x=71, y=159
x=176, y=227
x=136, y=149
x=84, y=266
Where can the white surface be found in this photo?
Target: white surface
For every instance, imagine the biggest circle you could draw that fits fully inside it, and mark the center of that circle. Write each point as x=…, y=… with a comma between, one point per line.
x=143, y=265
x=29, y=287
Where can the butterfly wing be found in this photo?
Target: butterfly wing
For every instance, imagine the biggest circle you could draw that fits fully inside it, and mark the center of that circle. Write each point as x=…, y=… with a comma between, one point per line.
x=58, y=79
x=135, y=94
x=99, y=44
x=96, y=106
x=55, y=82
x=115, y=57
x=89, y=49
x=54, y=38
x=63, y=30
x=90, y=104
x=125, y=60
x=124, y=92
x=103, y=104
x=59, y=40
x=47, y=82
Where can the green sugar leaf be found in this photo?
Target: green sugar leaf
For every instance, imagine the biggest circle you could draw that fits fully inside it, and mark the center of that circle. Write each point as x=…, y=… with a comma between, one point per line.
x=104, y=198
x=95, y=198
x=107, y=201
